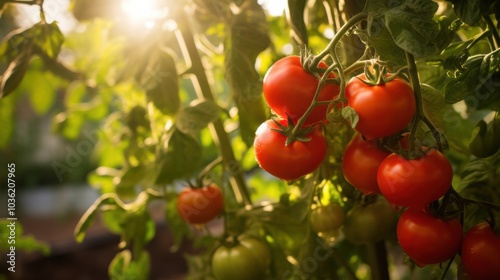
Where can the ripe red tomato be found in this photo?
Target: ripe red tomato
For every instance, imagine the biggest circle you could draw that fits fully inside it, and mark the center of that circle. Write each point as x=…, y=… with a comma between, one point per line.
x=289, y=90
x=362, y=157
x=427, y=239
x=383, y=109
x=200, y=205
x=481, y=253
x=292, y=161
x=414, y=182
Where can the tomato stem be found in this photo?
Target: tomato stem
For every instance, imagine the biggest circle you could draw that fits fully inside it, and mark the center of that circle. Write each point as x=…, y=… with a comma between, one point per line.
x=496, y=36
x=204, y=91
x=206, y=170
x=314, y=102
x=419, y=111
x=447, y=268
x=335, y=40
x=377, y=257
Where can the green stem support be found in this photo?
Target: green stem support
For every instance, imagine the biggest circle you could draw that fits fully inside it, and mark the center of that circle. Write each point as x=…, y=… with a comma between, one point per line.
x=231, y=165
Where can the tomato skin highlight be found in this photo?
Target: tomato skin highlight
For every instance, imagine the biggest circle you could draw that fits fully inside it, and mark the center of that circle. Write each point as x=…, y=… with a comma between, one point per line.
x=200, y=205
x=362, y=157
x=289, y=90
x=292, y=161
x=427, y=239
x=383, y=109
x=481, y=253
x=416, y=182
x=247, y=260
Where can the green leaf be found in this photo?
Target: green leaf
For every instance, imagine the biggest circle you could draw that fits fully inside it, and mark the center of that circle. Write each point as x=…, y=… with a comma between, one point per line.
x=478, y=85
x=129, y=179
x=247, y=36
x=295, y=16
x=178, y=157
x=15, y=72
x=137, y=227
x=88, y=217
x=22, y=241
x=446, y=120
x=161, y=82
x=480, y=179
x=413, y=29
x=124, y=266
x=191, y=120
x=7, y=106
x=379, y=37
x=469, y=11
x=41, y=86
x=48, y=38
x=350, y=116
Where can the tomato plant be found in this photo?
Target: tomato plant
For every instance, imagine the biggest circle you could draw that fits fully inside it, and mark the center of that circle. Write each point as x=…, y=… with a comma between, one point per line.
x=481, y=252
x=288, y=161
x=289, y=90
x=383, y=109
x=362, y=157
x=370, y=223
x=414, y=182
x=246, y=258
x=427, y=239
x=200, y=205
x=326, y=218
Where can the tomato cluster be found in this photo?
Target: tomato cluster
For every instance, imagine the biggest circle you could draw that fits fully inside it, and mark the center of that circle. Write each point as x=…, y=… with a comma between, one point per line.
x=289, y=91
x=413, y=179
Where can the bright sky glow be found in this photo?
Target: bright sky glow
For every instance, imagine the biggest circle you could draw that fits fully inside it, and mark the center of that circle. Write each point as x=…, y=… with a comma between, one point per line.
x=143, y=12
x=274, y=7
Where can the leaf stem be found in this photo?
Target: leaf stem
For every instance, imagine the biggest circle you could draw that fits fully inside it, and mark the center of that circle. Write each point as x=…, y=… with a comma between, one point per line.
x=219, y=135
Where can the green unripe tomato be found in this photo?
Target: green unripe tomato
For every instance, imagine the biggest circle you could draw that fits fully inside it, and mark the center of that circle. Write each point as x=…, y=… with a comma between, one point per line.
x=326, y=218
x=370, y=223
x=247, y=259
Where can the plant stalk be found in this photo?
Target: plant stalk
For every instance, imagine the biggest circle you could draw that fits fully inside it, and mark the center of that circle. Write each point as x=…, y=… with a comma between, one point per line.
x=419, y=112
x=231, y=165
x=377, y=257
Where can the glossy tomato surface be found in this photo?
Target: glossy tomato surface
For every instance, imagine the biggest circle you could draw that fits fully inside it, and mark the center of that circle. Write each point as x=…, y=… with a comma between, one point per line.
x=200, y=205
x=360, y=164
x=414, y=182
x=383, y=109
x=289, y=90
x=427, y=239
x=481, y=253
x=292, y=161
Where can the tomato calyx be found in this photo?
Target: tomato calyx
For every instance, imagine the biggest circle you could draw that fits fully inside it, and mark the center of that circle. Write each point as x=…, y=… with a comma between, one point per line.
x=292, y=134
x=379, y=75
